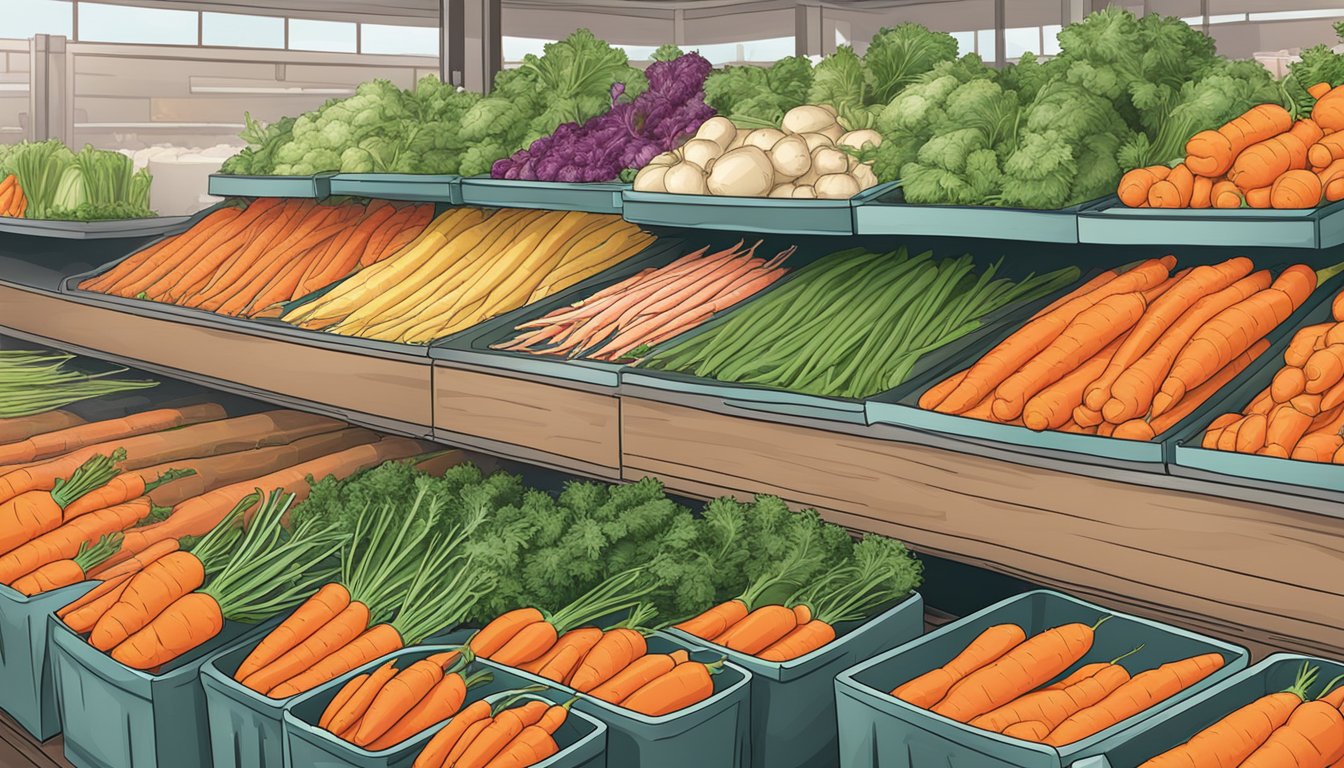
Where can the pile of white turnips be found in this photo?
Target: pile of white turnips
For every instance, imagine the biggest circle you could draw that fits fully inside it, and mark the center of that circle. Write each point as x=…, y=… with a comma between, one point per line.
x=800, y=159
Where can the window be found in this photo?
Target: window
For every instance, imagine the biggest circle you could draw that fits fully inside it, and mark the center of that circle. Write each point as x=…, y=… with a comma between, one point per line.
x=1019, y=40
x=984, y=44
x=965, y=42
x=515, y=48
x=39, y=17
x=239, y=31
x=637, y=52
x=1050, y=40
x=406, y=41
x=126, y=24
x=311, y=35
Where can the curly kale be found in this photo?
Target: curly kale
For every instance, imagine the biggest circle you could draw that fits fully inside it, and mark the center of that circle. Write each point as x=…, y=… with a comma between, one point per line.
x=759, y=96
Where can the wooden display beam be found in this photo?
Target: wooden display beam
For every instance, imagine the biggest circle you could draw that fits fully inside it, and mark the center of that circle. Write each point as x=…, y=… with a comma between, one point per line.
x=1259, y=574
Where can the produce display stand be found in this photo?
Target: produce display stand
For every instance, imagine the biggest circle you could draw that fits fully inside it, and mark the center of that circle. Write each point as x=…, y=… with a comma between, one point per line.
x=316, y=187
x=113, y=229
x=787, y=695
x=877, y=729
x=582, y=739
x=887, y=213
x=1113, y=223
x=595, y=197
x=398, y=186
x=768, y=215
x=27, y=690
x=117, y=717
x=1177, y=724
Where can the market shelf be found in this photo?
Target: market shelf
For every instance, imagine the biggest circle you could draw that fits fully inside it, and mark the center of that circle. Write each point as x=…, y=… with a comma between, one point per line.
x=887, y=213
x=598, y=197
x=377, y=390
x=317, y=186
x=1232, y=562
x=94, y=230
x=1111, y=223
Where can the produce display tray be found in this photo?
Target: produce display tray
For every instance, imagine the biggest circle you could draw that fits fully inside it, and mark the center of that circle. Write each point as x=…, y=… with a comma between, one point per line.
x=118, y=717
x=1112, y=223
x=473, y=345
x=596, y=197
x=27, y=687
x=582, y=739
x=900, y=407
x=94, y=230
x=1176, y=725
x=317, y=186
x=784, y=216
x=1288, y=476
x=888, y=214
x=877, y=729
x=787, y=695
x=735, y=398
x=398, y=186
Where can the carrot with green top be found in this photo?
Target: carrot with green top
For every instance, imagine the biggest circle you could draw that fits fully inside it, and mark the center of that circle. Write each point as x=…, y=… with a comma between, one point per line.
x=991, y=645
x=33, y=513
x=63, y=573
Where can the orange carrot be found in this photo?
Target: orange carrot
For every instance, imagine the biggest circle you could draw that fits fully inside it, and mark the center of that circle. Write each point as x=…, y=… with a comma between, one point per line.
x=22, y=428
x=136, y=564
x=1313, y=737
x=1324, y=369
x=716, y=620
x=1202, y=196
x=1052, y=707
x=316, y=611
x=335, y=706
x=65, y=541
x=1135, y=185
x=151, y=591
x=1260, y=164
x=1328, y=111
x=437, y=750
x=1288, y=383
x=937, y=393
x=1054, y=406
x=807, y=637
x=358, y=703
x=761, y=629
x=49, y=444
x=1142, y=692
x=492, y=740
x=195, y=618
x=63, y=573
x=1259, y=197
x=1211, y=153
x=82, y=619
x=1298, y=188
x=531, y=746
x=686, y=684
x=615, y=651
x=501, y=630
x=442, y=702
x=1225, y=194
x=333, y=635
x=574, y=644
x=1175, y=191
x=373, y=643
x=1026, y=667
x=1199, y=395
x=29, y=515
x=636, y=675
x=529, y=644
x=398, y=697
x=929, y=688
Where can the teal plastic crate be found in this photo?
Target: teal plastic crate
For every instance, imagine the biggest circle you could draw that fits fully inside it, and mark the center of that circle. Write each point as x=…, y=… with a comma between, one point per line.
x=246, y=728
x=889, y=214
x=582, y=739
x=877, y=730
x=1113, y=223
x=793, y=702
x=900, y=407
x=714, y=733
x=117, y=717
x=27, y=690
x=594, y=197
x=768, y=215
x=1289, y=476
x=758, y=401
x=398, y=186
x=317, y=186
x=1178, y=724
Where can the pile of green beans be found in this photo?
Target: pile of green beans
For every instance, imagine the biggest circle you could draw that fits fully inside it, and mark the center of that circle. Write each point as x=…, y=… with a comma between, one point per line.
x=38, y=381
x=852, y=324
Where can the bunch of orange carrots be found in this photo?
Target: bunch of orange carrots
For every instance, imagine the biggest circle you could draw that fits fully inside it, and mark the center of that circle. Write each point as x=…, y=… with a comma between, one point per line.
x=650, y=307
x=1007, y=683
x=390, y=568
x=476, y=266
x=380, y=709
x=1279, y=729
x=1129, y=353
x=12, y=200
x=1300, y=415
x=506, y=735
x=250, y=261
x=1261, y=159
x=613, y=665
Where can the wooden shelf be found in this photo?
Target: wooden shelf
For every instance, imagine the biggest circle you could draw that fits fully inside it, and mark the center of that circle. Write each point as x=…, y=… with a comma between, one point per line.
x=18, y=750
x=1251, y=566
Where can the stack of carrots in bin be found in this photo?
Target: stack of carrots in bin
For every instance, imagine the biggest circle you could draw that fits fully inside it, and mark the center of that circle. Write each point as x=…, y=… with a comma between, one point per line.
x=507, y=735
x=250, y=261
x=12, y=200
x=1002, y=683
x=613, y=665
x=1300, y=415
x=651, y=307
x=1130, y=353
x=1279, y=729
x=1261, y=159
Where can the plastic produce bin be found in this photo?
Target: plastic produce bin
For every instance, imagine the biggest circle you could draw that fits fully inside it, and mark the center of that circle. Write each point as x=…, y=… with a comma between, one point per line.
x=877, y=729
x=735, y=398
x=1113, y=223
x=582, y=739
x=246, y=728
x=785, y=216
x=888, y=214
x=317, y=186
x=793, y=703
x=1302, y=478
x=900, y=407
x=398, y=186
x=596, y=197
x=1178, y=724
x=117, y=717
x=27, y=690
x=714, y=733
x=473, y=346
x=92, y=230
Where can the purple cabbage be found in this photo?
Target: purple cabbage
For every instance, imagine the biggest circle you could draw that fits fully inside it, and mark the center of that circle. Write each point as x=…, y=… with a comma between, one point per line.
x=628, y=135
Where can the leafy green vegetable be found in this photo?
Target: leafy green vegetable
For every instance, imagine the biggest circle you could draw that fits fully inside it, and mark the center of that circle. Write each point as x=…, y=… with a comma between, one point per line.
x=666, y=52
x=755, y=97
x=88, y=185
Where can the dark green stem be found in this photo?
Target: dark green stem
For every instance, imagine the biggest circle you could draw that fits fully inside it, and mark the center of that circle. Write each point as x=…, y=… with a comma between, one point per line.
x=92, y=475
x=168, y=477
